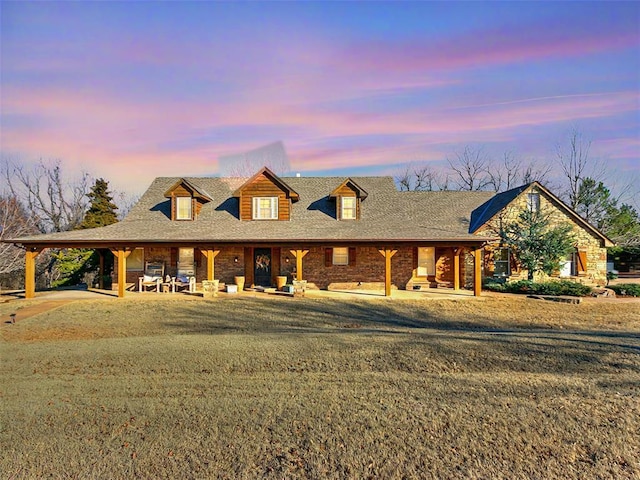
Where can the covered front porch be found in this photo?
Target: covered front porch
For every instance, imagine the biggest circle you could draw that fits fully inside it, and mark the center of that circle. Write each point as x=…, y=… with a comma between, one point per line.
x=343, y=267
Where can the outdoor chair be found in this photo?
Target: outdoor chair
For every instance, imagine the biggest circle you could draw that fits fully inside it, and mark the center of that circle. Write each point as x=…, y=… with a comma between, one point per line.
x=182, y=282
x=152, y=278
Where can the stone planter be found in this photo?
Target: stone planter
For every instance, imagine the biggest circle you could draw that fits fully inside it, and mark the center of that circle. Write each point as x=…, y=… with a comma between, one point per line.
x=299, y=288
x=239, y=282
x=210, y=288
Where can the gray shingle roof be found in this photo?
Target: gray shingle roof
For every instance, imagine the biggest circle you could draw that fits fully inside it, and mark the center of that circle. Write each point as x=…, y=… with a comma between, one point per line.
x=386, y=215
x=491, y=207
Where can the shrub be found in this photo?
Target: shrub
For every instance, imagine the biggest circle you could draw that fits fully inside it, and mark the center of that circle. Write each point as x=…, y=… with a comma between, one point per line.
x=559, y=287
x=493, y=284
x=563, y=287
x=627, y=289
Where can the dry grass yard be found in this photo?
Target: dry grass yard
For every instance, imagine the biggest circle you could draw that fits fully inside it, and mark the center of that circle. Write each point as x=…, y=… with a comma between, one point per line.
x=244, y=387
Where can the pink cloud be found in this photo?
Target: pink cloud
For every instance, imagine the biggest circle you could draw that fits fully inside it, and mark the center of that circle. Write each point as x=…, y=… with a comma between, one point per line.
x=484, y=48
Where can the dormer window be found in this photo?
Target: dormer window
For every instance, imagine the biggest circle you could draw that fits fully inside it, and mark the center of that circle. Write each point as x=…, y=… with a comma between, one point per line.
x=186, y=200
x=265, y=208
x=265, y=197
x=348, y=196
x=348, y=208
x=184, y=208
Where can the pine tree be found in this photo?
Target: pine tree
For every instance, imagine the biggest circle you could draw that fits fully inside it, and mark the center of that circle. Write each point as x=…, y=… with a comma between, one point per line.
x=538, y=246
x=75, y=263
x=102, y=210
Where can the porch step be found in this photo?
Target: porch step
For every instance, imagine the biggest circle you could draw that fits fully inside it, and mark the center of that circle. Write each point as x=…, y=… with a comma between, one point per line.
x=423, y=285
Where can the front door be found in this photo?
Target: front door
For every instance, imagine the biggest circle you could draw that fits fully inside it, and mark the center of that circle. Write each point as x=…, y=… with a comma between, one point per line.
x=262, y=266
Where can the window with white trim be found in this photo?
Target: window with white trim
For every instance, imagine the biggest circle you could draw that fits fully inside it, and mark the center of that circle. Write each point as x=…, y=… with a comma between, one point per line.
x=183, y=208
x=340, y=255
x=426, y=261
x=348, y=208
x=501, y=262
x=265, y=208
x=135, y=260
x=533, y=202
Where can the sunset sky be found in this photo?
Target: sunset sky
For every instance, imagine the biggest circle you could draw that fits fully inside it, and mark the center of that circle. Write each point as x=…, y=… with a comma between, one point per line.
x=134, y=90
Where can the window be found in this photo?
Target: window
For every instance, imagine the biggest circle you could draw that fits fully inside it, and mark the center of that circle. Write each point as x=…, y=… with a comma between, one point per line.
x=533, y=202
x=265, y=208
x=501, y=263
x=426, y=261
x=186, y=261
x=340, y=256
x=348, y=208
x=183, y=208
x=567, y=266
x=185, y=256
x=135, y=260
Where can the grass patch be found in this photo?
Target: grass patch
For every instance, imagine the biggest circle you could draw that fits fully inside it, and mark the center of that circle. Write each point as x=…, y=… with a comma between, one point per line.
x=303, y=388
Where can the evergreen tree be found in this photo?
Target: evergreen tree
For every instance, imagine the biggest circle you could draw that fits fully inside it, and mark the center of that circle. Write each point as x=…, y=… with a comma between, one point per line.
x=102, y=210
x=538, y=246
x=594, y=202
x=75, y=263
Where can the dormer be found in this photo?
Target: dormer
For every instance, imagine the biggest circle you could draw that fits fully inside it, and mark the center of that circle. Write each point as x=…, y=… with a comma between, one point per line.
x=265, y=197
x=186, y=200
x=348, y=196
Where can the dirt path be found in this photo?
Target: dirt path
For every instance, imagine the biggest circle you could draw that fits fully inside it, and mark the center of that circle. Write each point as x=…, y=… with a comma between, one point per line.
x=31, y=310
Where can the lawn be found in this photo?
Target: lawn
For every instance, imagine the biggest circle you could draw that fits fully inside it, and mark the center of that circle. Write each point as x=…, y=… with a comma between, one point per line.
x=244, y=387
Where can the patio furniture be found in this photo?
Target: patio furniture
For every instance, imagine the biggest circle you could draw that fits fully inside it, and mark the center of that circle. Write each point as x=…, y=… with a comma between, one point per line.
x=182, y=282
x=152, y=278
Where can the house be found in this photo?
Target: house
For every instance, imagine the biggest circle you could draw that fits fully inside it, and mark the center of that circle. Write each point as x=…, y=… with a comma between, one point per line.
x=333, y=232
x=588, y=261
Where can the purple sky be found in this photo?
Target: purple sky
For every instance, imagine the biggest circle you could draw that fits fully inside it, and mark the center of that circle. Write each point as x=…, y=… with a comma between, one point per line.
x=134, y=90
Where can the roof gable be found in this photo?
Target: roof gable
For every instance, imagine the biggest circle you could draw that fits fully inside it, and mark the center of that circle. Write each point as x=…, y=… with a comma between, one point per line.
x=351, y=185
x=487, y=211
x=264, y=171
x=190, y=187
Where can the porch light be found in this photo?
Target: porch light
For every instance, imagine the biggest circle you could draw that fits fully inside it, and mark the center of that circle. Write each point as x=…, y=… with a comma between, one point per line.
x=235, y=259
x=286, y=259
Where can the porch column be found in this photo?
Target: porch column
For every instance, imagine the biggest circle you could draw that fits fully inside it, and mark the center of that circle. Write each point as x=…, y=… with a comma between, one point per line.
x=30, y=271
x=387, y=253
x=477, y=271
x=122, y=254
x=299, y=254
x=210, y=256
x=456, y=268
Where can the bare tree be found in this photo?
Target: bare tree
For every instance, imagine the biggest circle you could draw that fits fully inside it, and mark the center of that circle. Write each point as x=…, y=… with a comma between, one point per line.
x=54, y=203
x=511, y=172
x=576, y=166
x=470, y=169
x=423, y=178
x=504, y=175
x=14, y=222
x=125, y=202
x=536, y=172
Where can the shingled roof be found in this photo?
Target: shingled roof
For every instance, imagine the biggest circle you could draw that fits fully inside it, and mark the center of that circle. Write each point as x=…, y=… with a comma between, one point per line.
x=491, y=207
x=485, y=212
x=387, y=215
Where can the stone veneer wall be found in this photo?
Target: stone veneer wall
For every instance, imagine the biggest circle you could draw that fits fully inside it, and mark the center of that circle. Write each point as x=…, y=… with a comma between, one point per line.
x=585, y=241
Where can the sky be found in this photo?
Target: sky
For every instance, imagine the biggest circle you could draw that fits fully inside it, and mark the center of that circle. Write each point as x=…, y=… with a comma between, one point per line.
x=133, y=90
